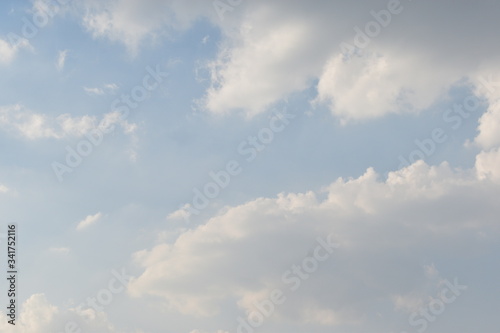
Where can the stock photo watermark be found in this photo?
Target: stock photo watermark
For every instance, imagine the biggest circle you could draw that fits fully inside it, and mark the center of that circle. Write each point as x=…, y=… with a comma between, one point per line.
x=103, y=298
x=12, y=273
x=122, y=106
x=292, y=279
x=372, y=29
x=427, y=314
x=223, y=6
x=38, y=20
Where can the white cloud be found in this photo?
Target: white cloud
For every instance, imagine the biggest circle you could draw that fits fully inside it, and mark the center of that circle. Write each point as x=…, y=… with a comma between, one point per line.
x=75, y=126
x=489, y=127
x=249, y=75
x=61, y=59
x=9, y=51
x=4, y=189
x=109, y=88
x=94, y=91
x=132, y=23
x=246, y=249
x=180, y=214
x=371, y=85
x=487, y=86
x=273, y=49
x=38, y=315
x=88, y=221
x=25, y=122
x=279, y=48
x=28, y=124
x=38, y=312
x=36, y=126
x=488, y=165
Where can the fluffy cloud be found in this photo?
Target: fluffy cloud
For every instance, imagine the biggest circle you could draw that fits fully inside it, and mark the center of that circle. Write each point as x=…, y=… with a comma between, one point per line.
x=488, y=165
x=487, y=82
x=489, y=126
x=370, y=85
x=261, y=64
x=265, y=58
x=273, y=49
x=30, y=125
x=242, y=254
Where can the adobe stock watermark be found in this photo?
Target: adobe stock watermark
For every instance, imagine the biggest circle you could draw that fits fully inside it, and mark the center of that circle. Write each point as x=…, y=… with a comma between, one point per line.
x=121, y=105
x=38, y=20
x=428, y=314
x=249, y=149
x=223, y=6
x=455, y=116
x=372, y=29
x=104, y=297
x=488, y=83
x=292, y=279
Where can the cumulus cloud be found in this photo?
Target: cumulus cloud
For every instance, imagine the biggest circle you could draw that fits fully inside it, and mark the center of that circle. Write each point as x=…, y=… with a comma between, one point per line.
x=252, y=73
x=370, y=85
x=88, y=221
x=389, y=228
x=242, y=253
x=273, y=49
x=488, y=165
x=487, y=83
x=264, y=58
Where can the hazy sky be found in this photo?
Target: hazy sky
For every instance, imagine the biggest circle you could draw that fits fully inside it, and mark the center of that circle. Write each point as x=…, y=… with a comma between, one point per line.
x=198, y=166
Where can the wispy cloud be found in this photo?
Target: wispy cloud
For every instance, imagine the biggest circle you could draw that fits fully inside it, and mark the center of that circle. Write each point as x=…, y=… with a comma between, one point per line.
x=109, y=88
x=94, y=91
x=61, y=59
x=31, y=125
x=19, y=120
x=59, y=250
x=88, y=221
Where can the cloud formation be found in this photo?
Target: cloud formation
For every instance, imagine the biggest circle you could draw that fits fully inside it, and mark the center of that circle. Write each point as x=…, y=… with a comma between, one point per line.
x=241, y=254
x=19, y=120
x=88, y=221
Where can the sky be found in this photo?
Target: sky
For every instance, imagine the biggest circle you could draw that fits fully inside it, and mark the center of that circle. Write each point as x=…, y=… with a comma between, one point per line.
x=236, y=166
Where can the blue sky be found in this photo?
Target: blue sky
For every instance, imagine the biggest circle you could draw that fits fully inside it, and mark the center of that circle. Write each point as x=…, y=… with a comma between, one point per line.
x=307, y=137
